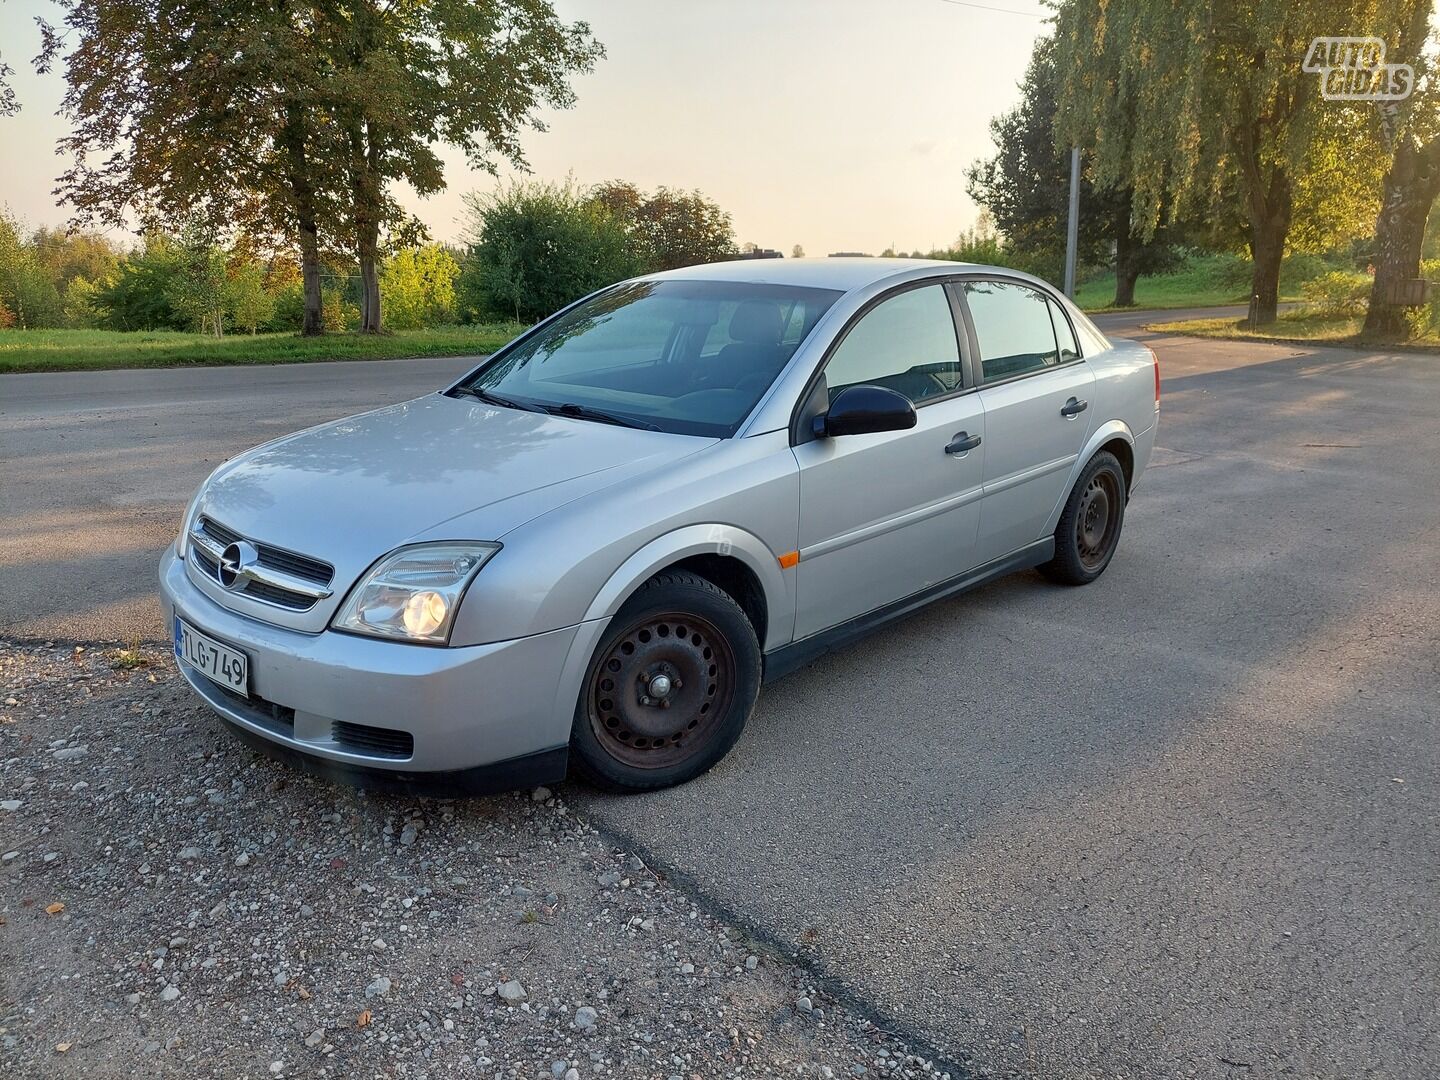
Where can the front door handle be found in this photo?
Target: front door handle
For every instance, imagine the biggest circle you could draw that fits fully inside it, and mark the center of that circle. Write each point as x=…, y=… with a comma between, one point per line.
x=962, y=443
x=1073, y=408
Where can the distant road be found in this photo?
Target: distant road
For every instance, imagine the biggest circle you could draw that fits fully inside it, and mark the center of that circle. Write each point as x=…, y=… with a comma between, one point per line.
x=1128, y=322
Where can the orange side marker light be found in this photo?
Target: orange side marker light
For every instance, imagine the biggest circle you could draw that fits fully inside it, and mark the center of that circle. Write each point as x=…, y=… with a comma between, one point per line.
x=789, y=559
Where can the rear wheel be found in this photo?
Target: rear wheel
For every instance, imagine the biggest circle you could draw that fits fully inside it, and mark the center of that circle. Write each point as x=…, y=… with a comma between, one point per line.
x=1089, y=528
x=669, y=688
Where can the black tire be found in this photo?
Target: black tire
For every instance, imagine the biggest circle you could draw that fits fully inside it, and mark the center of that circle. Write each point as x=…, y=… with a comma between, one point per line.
x=1090, y=525
x=683, y=628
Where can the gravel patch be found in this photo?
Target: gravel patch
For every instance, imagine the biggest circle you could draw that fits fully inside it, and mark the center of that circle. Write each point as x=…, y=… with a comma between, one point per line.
x=172, y=904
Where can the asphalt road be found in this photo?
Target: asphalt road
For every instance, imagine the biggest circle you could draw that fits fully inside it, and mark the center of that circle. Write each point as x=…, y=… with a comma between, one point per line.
x=1181, y=822
x=99, y=467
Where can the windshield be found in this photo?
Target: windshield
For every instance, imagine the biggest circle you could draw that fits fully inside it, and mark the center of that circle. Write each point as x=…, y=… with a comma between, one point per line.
x=690, y=357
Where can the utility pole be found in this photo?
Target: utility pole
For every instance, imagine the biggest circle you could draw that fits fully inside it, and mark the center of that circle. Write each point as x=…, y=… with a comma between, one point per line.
x=1072, y=229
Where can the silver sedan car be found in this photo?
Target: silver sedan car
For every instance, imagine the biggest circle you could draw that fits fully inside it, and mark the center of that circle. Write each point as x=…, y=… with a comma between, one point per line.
x=590, y=551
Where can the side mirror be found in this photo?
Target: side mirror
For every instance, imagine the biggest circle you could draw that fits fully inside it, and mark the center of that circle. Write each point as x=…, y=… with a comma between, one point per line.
x=861, y=410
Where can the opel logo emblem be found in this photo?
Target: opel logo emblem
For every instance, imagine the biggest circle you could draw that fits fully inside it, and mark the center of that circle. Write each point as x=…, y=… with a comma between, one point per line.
x=235, y=563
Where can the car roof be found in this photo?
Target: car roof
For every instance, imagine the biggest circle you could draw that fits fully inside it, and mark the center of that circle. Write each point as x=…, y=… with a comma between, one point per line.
x=844, y=274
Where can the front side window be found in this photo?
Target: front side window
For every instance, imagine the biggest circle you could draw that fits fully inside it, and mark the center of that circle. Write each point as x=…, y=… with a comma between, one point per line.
x=1013, y=328
x=690, y=357
x=906, y=343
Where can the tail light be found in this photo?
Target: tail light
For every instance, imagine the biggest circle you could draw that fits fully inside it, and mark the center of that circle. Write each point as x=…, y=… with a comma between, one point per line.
x=1155, y=360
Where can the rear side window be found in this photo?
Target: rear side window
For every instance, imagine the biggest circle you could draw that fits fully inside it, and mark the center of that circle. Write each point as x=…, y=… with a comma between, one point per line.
x=906, y=343
x=1064, y=336
x=1013, y=327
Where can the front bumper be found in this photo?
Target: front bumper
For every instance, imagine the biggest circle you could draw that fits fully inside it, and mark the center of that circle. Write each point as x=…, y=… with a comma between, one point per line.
x=476, y=716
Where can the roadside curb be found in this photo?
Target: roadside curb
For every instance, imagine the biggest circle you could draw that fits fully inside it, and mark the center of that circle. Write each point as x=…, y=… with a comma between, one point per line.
x=786, y=951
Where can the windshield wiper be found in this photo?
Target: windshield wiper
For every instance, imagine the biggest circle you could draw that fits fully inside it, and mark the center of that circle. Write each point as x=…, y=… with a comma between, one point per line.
x=492, y=398
x=585, y=412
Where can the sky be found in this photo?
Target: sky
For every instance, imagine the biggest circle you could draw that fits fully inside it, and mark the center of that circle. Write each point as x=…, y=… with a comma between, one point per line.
x=838, y=125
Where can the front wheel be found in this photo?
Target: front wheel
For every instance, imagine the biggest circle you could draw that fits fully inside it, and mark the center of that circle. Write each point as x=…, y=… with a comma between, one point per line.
x=1089, y=528
x=669, y=688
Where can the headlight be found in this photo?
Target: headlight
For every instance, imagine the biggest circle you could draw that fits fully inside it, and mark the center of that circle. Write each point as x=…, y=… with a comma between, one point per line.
x=412, y=593
x=182, y=542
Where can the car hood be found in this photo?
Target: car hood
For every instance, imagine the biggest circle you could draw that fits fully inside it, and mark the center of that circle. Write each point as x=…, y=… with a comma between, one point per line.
x=349, y=491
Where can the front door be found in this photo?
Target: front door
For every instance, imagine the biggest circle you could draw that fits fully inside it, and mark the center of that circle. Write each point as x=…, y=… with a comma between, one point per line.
x=887, y=515
x=1035, y=389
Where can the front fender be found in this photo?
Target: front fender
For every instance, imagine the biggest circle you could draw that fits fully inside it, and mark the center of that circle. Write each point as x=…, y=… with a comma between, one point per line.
x=707, y=539
x=1111, y=429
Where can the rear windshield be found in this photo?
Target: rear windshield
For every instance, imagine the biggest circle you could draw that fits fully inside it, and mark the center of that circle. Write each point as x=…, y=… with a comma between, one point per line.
x=690, y=357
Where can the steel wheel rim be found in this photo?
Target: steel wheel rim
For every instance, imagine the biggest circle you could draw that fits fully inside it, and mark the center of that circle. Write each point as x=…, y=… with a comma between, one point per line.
x=629, y=717
x=1095, y=520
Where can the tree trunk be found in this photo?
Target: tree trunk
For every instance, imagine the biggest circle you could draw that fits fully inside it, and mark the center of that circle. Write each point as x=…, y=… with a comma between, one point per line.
x=313, y=322
x=1267, y=249
x=302, y=194
x=1127, y=267
x=365, y=214
x=1411, y=186
x=369, y=283
x=1269, y=202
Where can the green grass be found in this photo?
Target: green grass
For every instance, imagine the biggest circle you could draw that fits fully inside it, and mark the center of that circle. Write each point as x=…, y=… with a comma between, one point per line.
x=1300, y=326
x=1179, y=290
x=1203, y=281
x=92, y=350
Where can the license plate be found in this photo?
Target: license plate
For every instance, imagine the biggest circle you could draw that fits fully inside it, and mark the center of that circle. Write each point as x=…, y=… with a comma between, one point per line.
x=226, y=666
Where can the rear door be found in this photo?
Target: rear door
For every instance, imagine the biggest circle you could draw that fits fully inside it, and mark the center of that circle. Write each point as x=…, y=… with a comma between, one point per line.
x=1035, y=388
x=886, y=515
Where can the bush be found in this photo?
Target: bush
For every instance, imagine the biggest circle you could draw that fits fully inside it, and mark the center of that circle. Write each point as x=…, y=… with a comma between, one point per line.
x=1301, y=267
x=339, y=313
x=138, y=296
x=80, y=299
x=1230, y=272
x=1429, y=315
x=249, y=304
x=417, y=287
x=1338, y=292
x=536, y=247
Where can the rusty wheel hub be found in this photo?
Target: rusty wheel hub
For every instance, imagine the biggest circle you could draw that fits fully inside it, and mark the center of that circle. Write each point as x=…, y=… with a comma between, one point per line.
x=660, y=690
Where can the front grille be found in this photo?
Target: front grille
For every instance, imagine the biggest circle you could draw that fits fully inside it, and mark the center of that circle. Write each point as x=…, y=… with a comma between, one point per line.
x=273, y=594
x=208, y=564
x=302, y=568
x=373, y=741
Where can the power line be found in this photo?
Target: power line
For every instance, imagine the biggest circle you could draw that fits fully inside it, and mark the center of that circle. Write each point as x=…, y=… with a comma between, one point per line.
x=987, y=7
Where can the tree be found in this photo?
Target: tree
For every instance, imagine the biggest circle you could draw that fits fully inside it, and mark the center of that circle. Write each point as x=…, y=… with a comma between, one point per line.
x=9, y=104
x=409, y=76
x=1026, y=186
x=669, y=229
x=26, y=292
x=797, y=252
x=1185, y=102
x=66, y=256
x=200, y=111
x=250, y=305
x=535, y=247
x=1411, y=132
x=418, y=287
x=80, y=303
x=137, y=297
x=198, y=293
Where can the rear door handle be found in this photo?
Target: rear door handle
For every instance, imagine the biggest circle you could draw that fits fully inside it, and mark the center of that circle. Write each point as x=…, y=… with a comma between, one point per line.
x=1074, y=407
x=962, y=443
